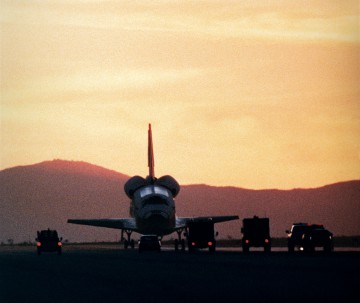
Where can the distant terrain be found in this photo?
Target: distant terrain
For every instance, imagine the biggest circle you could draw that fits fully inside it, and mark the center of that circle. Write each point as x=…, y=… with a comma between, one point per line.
x=45, y=195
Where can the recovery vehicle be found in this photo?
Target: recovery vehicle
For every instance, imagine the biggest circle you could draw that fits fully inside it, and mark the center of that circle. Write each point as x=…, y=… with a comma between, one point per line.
x=201, y=235
x=256, y=233
x=308, y=236
x=48, y=241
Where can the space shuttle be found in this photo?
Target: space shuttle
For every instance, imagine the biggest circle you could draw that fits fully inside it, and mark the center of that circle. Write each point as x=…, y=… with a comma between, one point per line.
x=152, y=206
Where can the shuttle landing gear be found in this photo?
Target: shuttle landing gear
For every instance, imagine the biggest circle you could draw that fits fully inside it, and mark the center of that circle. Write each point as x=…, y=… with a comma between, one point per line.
x=179, y=242
x=127, y=242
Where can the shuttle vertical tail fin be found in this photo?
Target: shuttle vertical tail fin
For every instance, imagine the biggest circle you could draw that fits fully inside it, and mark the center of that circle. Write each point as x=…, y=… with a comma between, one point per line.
x=151, y=163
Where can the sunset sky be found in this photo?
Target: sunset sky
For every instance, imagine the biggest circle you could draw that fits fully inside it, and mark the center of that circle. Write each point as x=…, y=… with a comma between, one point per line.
x=254, y=94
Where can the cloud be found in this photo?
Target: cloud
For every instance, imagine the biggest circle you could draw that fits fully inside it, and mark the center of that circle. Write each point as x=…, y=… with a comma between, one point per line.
x=101, y=82
x=214, y=19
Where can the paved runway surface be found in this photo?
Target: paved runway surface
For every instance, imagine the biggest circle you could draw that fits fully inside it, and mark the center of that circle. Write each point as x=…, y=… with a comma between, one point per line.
x=108, y=274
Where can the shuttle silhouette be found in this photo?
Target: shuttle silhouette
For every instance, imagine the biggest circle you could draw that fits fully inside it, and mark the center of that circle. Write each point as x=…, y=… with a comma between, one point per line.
x=152, y=206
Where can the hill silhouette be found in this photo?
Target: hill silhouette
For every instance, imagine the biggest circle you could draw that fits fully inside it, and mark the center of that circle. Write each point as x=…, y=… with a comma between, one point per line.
x=45, y=195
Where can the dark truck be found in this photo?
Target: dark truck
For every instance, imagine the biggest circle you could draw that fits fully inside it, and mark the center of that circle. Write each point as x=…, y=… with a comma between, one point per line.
x=201, y=235
x=317, y=237
x=308, y=236
x=256, y=233
x=48, y=241
x=149, y=242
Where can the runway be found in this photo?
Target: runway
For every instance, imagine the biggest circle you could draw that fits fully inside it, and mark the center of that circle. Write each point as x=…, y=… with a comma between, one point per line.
x=105, y=273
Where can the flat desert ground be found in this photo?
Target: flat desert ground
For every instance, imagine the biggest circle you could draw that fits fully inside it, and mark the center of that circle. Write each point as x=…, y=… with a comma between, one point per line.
x=107, y=273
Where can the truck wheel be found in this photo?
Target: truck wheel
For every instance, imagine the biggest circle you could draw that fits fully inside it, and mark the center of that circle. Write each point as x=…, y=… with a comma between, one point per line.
x=267, y=248
x=291, y=248
x=132, y=244
x=191, y=249
x=59, y=251
x=309, y=248
x=212, y=248
x=38, y=252
x=182, y=245
x=327, y=248
x=176, y=244
x=245, y=248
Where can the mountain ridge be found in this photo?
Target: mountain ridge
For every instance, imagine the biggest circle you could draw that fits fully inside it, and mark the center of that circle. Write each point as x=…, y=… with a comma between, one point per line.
x=46, y=194
x=74, y=167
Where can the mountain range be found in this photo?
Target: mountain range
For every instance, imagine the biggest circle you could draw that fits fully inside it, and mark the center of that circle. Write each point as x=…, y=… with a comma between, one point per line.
x=46, y=194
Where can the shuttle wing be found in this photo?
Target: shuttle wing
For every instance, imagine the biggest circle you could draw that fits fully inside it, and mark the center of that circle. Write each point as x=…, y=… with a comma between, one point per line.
x=183, y=222
x=127, y=224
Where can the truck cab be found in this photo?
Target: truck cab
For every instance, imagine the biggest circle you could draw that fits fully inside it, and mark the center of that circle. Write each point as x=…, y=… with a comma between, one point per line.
x=256, y=233
x=295, y=235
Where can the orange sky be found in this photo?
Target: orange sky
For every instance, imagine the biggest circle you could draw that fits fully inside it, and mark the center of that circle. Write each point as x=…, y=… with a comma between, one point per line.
x=239, y=93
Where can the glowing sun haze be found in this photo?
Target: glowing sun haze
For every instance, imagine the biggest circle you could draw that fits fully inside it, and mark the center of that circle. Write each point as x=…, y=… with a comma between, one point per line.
x=256, y=94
